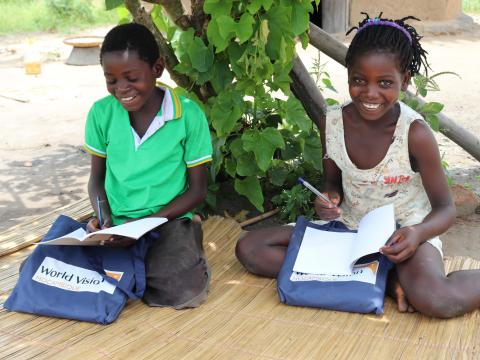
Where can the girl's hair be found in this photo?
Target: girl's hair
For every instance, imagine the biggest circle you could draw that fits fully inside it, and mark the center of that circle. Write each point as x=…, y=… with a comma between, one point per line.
x=389, y=36
x=131, y=37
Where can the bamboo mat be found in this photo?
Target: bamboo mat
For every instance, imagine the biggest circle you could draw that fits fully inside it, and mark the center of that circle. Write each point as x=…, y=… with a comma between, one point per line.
x=22, y=235
x=242, y=319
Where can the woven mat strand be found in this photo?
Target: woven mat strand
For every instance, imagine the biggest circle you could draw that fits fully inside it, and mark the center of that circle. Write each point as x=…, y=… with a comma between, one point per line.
x=242, y=319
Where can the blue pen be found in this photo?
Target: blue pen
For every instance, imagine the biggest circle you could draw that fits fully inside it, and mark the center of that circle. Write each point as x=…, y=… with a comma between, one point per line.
x=315, y=191
x=99, y=213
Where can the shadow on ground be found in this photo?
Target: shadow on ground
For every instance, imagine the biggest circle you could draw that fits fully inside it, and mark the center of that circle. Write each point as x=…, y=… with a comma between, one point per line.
x=56, y=175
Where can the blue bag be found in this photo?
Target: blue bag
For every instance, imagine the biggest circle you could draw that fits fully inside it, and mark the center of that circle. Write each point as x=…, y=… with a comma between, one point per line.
x=88, y=283
x=363, y=292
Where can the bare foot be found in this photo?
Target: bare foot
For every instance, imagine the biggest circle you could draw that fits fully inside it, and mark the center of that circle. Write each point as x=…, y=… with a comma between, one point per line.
x=395, y=291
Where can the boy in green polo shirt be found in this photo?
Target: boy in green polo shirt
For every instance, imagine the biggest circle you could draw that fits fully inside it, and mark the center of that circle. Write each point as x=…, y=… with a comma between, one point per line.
x=149, y=149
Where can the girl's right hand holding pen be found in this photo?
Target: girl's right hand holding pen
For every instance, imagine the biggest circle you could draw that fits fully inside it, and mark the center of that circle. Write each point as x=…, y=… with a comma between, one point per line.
x=328, y=211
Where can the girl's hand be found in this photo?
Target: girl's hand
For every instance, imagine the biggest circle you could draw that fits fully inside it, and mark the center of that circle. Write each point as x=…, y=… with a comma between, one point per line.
x=93, y=224
x=325, y=210
x=401, y=245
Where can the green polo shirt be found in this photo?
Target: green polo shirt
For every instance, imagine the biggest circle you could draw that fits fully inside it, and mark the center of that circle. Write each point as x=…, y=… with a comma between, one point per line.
x=139, y=181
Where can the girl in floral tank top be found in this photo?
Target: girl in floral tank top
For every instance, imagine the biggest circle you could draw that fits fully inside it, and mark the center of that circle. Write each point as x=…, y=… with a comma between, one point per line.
x=378, y=151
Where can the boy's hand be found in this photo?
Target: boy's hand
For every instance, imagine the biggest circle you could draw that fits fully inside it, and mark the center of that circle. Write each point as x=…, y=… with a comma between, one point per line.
x=325, y=210
x=118, y=241
x=402, y=244
x=93, y=225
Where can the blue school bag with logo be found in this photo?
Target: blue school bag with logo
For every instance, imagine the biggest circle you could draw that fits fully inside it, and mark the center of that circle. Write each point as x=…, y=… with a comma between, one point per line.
x=88, y=283
x=363, y=292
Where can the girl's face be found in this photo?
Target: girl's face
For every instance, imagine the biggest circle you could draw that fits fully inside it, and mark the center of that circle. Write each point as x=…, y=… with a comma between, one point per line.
x=129, y=79
x=374, y=83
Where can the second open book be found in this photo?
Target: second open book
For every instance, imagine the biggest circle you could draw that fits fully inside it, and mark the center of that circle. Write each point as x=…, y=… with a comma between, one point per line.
x=134, y=229
x=335, y=253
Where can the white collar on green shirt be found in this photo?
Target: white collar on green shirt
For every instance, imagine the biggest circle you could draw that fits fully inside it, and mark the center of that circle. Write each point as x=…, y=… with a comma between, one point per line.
x=171, y=109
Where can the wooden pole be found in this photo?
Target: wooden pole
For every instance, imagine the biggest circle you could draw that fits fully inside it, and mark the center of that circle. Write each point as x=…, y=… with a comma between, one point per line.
x=337, y=51
x=305, y=89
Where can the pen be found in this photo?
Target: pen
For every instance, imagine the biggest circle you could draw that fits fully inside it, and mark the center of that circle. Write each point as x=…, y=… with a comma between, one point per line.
x=315, y=191
x=99, y=213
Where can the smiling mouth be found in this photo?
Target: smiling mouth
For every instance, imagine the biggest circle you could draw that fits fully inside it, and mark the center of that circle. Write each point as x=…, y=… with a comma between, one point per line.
x=127, y=100
x=370, y=106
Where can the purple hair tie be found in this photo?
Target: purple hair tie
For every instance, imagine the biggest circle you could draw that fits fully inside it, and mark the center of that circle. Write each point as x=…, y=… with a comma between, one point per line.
x=377, y=21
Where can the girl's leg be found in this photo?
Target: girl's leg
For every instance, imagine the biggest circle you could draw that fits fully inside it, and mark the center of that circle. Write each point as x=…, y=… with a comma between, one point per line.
x=262, y=251
x=423, y=279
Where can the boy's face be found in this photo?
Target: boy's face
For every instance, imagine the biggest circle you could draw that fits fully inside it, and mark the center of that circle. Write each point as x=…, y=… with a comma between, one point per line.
x=374, y=83
x=129, y=79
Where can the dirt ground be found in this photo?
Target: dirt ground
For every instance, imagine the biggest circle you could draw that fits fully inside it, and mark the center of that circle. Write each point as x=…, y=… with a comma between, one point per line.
x=43, y=165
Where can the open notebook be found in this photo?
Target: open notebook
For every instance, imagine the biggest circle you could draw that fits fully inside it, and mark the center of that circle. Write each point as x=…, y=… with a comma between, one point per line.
x=335, y=253
x=134, y=230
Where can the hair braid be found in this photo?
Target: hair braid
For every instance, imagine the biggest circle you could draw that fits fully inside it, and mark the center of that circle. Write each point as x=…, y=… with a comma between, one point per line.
x=387, y=35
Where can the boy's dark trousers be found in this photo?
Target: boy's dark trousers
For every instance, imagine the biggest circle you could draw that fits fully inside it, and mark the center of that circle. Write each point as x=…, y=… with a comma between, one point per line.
x=177, y=271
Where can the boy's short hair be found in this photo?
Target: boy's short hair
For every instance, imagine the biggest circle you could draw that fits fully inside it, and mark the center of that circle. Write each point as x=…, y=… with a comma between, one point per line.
x=131, y=37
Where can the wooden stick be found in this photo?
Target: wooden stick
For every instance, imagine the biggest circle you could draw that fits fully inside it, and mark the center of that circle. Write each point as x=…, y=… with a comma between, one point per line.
x=259, y=217
x=15, y=99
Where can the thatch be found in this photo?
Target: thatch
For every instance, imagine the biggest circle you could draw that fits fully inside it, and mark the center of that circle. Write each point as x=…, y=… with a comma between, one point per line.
x=242, y=319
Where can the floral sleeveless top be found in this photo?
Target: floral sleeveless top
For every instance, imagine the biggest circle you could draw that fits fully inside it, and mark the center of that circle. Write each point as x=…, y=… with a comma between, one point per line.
x=390, y=181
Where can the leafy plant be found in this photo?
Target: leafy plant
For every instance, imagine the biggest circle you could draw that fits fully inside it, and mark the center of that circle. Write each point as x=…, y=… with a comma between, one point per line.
x=295, y=202
x=236, y=64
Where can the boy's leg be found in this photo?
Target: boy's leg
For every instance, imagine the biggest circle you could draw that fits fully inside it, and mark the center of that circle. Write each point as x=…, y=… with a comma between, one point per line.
x=423, y=279
x=177, y=271
x=262, y=251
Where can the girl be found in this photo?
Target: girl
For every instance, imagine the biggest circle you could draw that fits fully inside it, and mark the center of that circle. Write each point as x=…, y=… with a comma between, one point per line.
x=378, y=151
x=149, y=148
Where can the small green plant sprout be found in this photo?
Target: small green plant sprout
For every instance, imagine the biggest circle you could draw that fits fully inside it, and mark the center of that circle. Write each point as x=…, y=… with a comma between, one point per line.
x=449, y=177
x=422, y=85
x=322, y=78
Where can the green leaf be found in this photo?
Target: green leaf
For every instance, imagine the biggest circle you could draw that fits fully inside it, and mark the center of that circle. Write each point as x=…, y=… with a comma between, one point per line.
x=182, y=41
x=331, y=101
x=280, y=35
x=304, y=39
x=328, y=84
x=226, y=27
x=217, y=7
x=231, y=167
x=263, y=144
x=432, y=108
x=293, y=149
x=433, y=121
x=222, y=76
x=250, y=187
x=312, y=151
x=278, y=175
x=112, y=4
x=244, y=28
x=214, y=37
x=295, y=114
x=162, y=22
x=236, y=147
x=123, y=15
x=247, y=166
x=255, y=5
x=300, y=18
x=200, y=55
x=226, y=111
